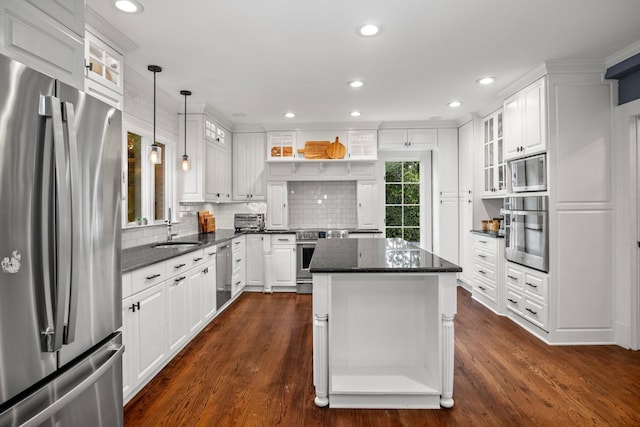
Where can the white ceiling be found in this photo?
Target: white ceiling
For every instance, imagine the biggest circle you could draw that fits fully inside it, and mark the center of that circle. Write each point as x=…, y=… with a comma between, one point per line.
x=263, y=58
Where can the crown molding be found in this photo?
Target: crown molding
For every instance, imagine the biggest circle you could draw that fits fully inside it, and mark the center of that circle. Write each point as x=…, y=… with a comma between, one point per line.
x=108, y=33
x=623, y=54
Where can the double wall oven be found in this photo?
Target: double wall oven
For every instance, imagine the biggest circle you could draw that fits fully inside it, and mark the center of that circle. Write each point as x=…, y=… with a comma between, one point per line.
x=527, y=231
x=305, y=245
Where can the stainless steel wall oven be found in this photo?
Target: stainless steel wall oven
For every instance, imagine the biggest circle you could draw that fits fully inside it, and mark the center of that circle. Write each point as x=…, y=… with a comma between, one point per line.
x=527, y=231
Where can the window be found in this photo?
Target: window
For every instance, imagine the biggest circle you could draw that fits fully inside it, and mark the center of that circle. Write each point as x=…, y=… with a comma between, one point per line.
x=402, y=200
x=148, y=187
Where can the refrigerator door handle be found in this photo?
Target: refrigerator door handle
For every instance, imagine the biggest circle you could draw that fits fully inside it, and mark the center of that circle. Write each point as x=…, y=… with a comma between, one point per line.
x=64, y=400
x=50, y=107
x=68, y=117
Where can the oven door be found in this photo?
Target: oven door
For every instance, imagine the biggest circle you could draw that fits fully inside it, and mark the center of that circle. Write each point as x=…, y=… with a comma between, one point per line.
x=526, y=238
x=304, y=255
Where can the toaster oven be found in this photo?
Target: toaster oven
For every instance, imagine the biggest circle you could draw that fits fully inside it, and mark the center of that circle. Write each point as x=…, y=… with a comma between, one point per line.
x=248, y=221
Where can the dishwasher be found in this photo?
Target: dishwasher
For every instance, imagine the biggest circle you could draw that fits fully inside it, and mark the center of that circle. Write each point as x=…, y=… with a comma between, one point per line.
x=223, y=274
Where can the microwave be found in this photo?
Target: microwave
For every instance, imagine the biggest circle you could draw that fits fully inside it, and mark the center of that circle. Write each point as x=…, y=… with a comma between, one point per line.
x=529, y=174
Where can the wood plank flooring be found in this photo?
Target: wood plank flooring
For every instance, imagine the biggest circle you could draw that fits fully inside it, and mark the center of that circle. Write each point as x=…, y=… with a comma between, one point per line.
x=253, y=367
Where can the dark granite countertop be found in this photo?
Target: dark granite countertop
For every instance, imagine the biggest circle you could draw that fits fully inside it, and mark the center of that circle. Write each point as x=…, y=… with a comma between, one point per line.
x=376, y=256
x=142, y=256
x=493, y=234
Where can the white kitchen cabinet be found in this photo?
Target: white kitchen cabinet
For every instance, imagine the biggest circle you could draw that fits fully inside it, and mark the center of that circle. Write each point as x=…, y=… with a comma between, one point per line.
x=177, y=309
x=525, y=121
x=281, y=145
x=366, y=193
x=104, y=65
x=488, y=272
x=277, y=206
x=37, y=34
x=238, y=270
x=283, y=262
x=144, y=316
x=447, y=239
x=527, y=294
x=448, y=162
x=362, y=145
x=407, y=139
x=249, y=151
x=465, y=202
x=209, y=177
x=255, y=277
x=209, y=288
x=494, y=167
x=195, y=284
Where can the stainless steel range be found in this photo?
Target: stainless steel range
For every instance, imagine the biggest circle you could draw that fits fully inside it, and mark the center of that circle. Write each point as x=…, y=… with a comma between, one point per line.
x=305, y=244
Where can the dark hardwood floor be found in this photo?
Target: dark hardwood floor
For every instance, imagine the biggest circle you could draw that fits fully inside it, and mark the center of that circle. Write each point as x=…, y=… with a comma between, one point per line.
x=253, y=367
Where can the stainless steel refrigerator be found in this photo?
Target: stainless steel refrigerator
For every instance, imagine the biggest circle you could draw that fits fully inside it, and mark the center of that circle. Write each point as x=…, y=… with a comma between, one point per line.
x=60, y=282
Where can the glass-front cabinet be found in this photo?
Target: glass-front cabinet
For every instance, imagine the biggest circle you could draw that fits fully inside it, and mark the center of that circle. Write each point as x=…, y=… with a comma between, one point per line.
x=281, y=145
x=103, y=77
x=495, y=168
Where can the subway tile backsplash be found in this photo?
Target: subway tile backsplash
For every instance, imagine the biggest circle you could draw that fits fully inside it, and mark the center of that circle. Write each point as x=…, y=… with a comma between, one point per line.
x=322, y=204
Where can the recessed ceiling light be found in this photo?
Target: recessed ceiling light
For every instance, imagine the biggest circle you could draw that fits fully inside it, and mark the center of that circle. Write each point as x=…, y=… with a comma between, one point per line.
x=355, y=113
x=454, y=104
x=369, y=30
x=129, y=6
x=356, y=83
x=486, y=80
x=290, y=115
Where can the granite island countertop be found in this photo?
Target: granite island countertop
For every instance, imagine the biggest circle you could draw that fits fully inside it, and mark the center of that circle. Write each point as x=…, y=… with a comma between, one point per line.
x=376, y=256
x=141, y=256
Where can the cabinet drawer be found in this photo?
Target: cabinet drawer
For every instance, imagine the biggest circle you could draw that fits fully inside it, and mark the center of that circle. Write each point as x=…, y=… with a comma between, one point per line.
x=483, y=270
x=481, y=254
x=283, y=239
x=184, y=262
x=127, y=285
x=210, y=253
x=237, y=283
x=536, y=312
x=487, y=243
x=535, y=285
x=515, y=301
x=237, y=244
x=514, y=277
x=485, y=288
x=147, y=276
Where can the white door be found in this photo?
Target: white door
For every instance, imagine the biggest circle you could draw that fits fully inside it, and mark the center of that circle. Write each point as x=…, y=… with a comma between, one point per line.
x=448, y=162
x=284, y=265
x=534, y=126
x=277, y=209
x=367, y=206
x=150, y=330
x=513, y=127
x=255, y=264
x=422, y=139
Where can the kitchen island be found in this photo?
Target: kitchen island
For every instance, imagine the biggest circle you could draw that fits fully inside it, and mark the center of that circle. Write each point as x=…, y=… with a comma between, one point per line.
x=383, y=332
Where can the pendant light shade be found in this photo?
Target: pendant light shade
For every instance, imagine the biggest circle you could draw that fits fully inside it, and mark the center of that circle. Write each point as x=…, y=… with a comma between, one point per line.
x=156, y=152
x=185, y=158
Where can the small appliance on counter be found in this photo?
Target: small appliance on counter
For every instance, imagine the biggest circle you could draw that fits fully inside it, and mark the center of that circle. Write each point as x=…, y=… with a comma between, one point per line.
x=248, y=221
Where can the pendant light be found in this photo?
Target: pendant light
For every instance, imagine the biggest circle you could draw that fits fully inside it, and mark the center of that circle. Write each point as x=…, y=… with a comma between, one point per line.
x=185, y=158
x=155, y=156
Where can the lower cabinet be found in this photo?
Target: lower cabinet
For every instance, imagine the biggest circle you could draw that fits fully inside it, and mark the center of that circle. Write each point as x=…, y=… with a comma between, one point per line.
x=255, y=272
x=283, y=262
x=177, y=295
x=527, y=294
x=238, y=271
x=488, y=268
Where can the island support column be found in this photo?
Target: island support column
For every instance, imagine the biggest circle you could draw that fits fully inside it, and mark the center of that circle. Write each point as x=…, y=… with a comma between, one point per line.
x=321, y=338
x=448, y=302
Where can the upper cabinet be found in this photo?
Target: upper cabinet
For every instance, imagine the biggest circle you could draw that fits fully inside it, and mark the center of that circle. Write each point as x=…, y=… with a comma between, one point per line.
x=281, y=145
x=248, y=166
x=495, y=168
x=448, y=162
x=46, y=36
x=209, y=178
x=407, y=139
x=362, y=145
x=104, y=66
x=525, y=121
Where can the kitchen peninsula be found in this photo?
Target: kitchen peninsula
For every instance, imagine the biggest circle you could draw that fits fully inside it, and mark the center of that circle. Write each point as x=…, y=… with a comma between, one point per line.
x=383, y=332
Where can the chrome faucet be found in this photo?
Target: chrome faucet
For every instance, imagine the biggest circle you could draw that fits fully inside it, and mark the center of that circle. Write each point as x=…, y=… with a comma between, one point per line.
x=169, y=234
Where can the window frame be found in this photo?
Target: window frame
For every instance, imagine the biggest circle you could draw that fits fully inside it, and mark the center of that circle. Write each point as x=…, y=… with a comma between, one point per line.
x=145, y=130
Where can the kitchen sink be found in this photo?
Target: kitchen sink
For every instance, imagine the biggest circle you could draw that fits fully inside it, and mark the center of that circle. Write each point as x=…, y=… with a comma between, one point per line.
x=176, y=245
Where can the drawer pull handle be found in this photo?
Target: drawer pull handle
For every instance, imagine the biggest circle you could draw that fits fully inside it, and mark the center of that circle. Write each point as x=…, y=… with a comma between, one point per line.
x=179, y=279
x=238, y=283
x=482, y=241
x=511, y=277
x=482, y=256
x=153, y=276
x=482, y=272
x=211, y=253
x=179, y=265
x=531, y=284
x=531, y=311
x=283, y=240
x=197, y=259
x=236, y=243
x=239, y=259
x=135, y=306
x=482, y=287
x=512, y=301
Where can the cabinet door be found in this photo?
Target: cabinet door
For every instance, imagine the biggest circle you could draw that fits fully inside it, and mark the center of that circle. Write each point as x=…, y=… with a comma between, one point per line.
x=281, y=145
x=69, y=13
x=465, y=252
x=194, y=282
x=277, y=206
x=362, y=145
x=465, y=160
x=422, y=139
x=534, y=123
x=255, y=260
x=392, y=139
x=195, y=180
x=177, y=313
x=284, y=265
x=258, y=175
x=513, y=127
x=448, y=230
x=448, y=162
x=130, y=342
x=367, y=206
x=242, y=166
x=209, y=290
x=149, y=324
